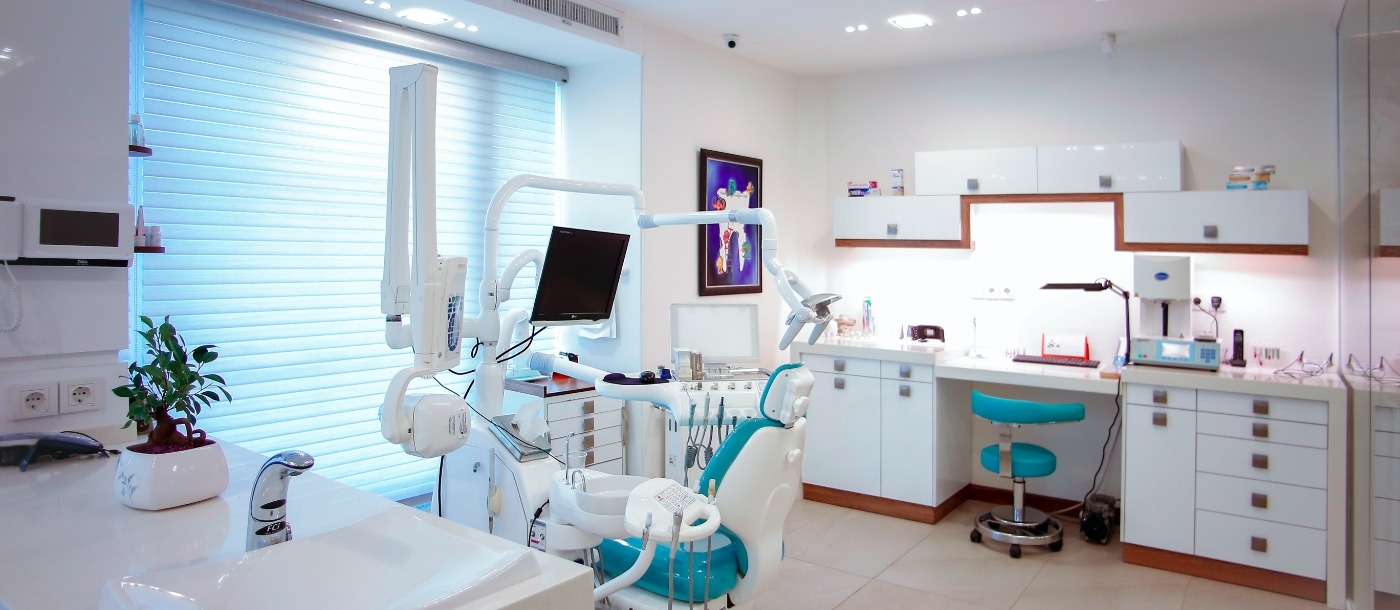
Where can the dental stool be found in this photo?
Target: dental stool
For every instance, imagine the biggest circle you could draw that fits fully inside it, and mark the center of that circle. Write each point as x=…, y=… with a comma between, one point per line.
x=1018, y=524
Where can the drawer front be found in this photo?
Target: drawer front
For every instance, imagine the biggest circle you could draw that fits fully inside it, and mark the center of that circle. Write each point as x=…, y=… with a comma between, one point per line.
x=1262, y=461
x=909, y=218
x=1272, y=407
x=1303, y=506
x=1261, y=429
x=975, y=172
x=1385, y=519
x=597, y=454
x=1386, y=444
x=1160, y=396
x=1386, y=555
x=1385, y=477
x=592, y=440
x=862, y=367
x=579, y=407
x=561, y=428
x=1262, y=544
x=610, y=466
x=906, y=372
x=1216, y=217
x=1386, y=419
x=1159, y=477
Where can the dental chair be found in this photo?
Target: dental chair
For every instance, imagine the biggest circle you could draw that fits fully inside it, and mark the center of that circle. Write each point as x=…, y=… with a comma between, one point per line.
x=756, y=476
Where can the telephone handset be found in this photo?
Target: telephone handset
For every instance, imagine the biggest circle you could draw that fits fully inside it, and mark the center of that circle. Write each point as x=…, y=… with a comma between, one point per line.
x=657, y=500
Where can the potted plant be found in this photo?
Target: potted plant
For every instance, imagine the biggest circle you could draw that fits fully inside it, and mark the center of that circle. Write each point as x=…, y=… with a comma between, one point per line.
x=173, y=467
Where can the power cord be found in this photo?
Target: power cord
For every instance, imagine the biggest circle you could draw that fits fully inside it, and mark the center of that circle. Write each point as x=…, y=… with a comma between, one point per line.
x=16, y=313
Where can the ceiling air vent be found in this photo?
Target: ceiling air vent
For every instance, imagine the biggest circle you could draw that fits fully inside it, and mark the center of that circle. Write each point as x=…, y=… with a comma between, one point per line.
x=576, y=13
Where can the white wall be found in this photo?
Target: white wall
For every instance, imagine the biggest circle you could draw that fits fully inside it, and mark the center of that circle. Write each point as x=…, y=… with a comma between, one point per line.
x=65, y=128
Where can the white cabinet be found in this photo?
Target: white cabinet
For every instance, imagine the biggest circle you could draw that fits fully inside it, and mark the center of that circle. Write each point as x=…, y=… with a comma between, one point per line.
x=915, y=218
x=906, y=441
x=993, y=171
x=573, y=407
x=1224, y=221
x=1110, y=168
x=1159, y=476
x=843, y=433
x=1390, y=222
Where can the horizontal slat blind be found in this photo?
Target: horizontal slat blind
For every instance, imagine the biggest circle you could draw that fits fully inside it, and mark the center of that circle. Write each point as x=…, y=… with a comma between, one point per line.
x=268, y=182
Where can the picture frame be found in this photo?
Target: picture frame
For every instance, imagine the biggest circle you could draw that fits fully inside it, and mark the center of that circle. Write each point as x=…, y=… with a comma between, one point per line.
x=731, y=257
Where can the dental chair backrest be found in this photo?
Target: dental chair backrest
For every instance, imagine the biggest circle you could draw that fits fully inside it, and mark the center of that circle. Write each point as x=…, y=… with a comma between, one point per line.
x=760, y=477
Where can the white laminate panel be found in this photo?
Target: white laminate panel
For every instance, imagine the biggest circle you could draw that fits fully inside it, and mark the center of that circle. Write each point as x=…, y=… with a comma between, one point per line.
x=1238, y=217
x=592, y=440
x=597, y=454
x=843, y=433
x=1129, y=168
x=1284, y=463
x=1390, y=217
x=610, y=466
x=1386, y=418
x=909, y=218
x=578, y=407
x=863, y=367
x=997, y=171
x=1287, y=548
x=922, y=373
x=1160, y=396
x=1291, y=504
x=561, y=428
x=1386, y=444
x=1386, y=557
x=1385, y=520
x=1262, y=429
x=1159, y=490
x=906, y=441
x=1385, y=477
x=1272, y=407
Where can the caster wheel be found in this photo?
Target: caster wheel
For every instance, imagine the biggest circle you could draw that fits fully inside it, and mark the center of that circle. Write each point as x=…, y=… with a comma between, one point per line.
x=1015, y=551
x=976, y=536
x=1056, y=546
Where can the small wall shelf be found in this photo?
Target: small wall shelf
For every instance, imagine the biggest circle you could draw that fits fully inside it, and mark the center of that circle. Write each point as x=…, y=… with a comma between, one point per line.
x=149, y=249
x=133, y=150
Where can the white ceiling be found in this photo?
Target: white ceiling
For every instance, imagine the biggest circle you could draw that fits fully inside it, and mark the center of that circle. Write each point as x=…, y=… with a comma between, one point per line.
x=808, y=37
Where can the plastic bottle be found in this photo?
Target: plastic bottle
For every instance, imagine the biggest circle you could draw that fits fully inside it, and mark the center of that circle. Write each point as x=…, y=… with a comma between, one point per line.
x=867, y=317
x=138, y=133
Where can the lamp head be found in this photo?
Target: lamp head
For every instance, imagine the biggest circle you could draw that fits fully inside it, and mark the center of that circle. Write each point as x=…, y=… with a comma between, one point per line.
x=1086, y=287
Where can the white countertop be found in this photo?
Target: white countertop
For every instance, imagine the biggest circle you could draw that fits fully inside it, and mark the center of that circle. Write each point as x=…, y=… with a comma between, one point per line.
x=1005, y=370
x=901, y=350
x=1327, y=386
x=65, y=532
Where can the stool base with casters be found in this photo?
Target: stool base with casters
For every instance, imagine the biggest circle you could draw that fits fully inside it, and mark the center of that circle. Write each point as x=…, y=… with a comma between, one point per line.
x=1034, y=528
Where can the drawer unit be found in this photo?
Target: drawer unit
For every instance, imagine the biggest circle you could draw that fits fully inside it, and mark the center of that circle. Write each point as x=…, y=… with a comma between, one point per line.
x=820, y=363
x=579, y=407
x=1386, y=419
x=597, y=438
x=1385, y=519
x=1260, y=429
x=1159, y=477
x=1217, y=218
x=1291, y=504
x=1290, y=409
x=1160, y=396
x=1386, y=556
x=936, y=218
x=1386, y=444
x=1385, y=477
x=922, y=373
x=1262, y=461
x=1262, y=544
x=561, y=428
x=597, y=454
x=613, y=466
x=1114, y=168
x=975, y=172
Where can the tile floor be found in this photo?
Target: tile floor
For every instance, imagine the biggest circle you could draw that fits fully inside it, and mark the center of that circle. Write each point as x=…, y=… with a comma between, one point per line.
x=843, y=558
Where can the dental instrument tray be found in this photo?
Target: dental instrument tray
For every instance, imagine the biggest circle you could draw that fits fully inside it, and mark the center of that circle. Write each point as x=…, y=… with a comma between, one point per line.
x=523, y=451
x=23, y=448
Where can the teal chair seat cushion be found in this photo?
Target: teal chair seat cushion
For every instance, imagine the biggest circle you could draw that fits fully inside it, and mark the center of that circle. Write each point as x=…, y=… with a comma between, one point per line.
x=1012, y=411
x=1027, y=460
x=618, y=555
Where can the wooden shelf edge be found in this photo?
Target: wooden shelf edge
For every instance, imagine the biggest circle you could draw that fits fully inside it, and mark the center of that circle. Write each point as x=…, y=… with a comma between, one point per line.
x=1388, y=251
x=133, y=150
x=149, y=249
x=948, y=244
x=1046, y=198
x=1214, y=248
x=1224, y=571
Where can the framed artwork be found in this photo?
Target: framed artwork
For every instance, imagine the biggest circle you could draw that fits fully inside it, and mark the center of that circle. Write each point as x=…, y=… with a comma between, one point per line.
x=730, y=260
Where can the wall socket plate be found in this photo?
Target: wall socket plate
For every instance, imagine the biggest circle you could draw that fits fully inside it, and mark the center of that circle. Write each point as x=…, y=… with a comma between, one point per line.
x=993, y=292
x=77, y=395
x=30, y=400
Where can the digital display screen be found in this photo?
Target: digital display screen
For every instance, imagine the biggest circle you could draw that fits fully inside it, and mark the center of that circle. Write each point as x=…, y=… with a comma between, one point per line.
x=78, y=228
x=579, y=280
x=1175, y=350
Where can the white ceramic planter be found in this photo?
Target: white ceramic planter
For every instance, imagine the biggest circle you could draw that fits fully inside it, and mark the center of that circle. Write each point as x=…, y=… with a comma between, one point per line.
x=167, y=480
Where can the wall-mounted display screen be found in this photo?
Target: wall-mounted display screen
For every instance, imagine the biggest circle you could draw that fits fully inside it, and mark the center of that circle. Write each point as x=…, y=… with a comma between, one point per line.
x=580, y=276
x=79, y=228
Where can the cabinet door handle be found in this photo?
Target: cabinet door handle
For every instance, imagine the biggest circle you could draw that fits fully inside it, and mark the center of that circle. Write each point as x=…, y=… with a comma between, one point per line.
x=1105, y=182
x=1159, y=397
x=1159, y=419
x=587, y=407
x=905, y=371
x=972, y=184
x=1210, y=232
x=892, y=229
x=588, y=424
x=1261, y=430
x=840, y=383
x=1259, y=500
x=1258, y=545
x=1260, y=461
x=1261, y=407
x=904, y=391
x=839, y=365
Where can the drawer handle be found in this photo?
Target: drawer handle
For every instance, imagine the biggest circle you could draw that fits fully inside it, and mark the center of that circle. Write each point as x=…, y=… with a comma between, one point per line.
x=1261, y=407
x=892, y=229
x=905, y=371
x=1261, y=430
x=588, y=424
x=1258, y=545
x=972, y=184
x=840, y=383
x=1210, y=231
x=587, y=407
x=1259, y=500
x=1105, y=182
x=1159, y=397
x=1260, y=461
x=1159, y=419
x=839, y=365
x=904, y=391
x=588, y=443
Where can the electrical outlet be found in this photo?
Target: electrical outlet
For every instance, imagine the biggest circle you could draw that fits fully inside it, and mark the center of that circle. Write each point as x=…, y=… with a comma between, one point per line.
x=79, y=395
x=31, y=400
x=993, y=293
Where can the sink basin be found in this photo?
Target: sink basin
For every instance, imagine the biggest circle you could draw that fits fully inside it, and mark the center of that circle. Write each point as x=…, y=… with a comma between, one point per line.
x=607, y=495
x=598, y=510
x=395, y=559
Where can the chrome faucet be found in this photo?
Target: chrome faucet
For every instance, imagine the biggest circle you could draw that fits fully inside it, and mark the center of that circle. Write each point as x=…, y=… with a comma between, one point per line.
x=267, y=507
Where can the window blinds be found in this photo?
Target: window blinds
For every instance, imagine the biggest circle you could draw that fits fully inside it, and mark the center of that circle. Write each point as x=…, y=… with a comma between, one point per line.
x=268, y=183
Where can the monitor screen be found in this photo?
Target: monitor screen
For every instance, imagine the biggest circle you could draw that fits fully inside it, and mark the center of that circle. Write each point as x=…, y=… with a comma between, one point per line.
x=723, y=334
x=579, y=280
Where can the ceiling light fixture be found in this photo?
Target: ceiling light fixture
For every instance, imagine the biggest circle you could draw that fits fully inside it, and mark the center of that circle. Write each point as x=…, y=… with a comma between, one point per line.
x=459, y=25
x=862, y=27
x=962, y=12
x=385, y=5
x=850, y=28
x=976, y=11
x=425, y=16
x=369, y=1
x=472, y=28
x=909, y=22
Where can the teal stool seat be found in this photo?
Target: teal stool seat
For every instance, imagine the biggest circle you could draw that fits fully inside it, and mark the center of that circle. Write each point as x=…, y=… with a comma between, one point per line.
x=1027, y=460
x=1012, y=411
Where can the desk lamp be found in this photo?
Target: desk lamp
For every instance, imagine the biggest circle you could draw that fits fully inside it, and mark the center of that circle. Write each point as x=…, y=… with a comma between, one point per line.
x=1100, y=286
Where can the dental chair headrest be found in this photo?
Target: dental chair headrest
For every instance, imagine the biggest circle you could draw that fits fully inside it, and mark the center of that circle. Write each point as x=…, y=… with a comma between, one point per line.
x=784, y=399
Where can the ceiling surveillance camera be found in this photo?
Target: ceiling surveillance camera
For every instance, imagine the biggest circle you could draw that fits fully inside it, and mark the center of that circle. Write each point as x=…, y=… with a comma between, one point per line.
x=731, y=40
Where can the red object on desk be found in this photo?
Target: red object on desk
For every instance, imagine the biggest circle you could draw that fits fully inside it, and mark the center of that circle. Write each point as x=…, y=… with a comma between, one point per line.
x=1065, y=346
x=572, y=358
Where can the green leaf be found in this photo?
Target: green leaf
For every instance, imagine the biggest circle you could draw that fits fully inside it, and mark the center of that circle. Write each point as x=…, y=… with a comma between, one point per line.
x=216, y=378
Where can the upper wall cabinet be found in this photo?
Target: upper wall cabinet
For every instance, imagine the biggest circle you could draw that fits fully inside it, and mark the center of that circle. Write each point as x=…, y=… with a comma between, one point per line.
x=1244, y=222
x=1390, y=223
x=1109, y=168
x=901, y=222
x=993, y=171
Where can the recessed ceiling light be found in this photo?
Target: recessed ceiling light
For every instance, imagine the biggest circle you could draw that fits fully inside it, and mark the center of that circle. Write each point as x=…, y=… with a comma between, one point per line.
x=862, y=27
x=907, y=22
x=962, y=12
x=850, y=28
x=369, y=1
x=472, y=28
x=459, y=25
x=425, y=16
x=385, y=5
x=4, y=56
x=6, y=50
x=976, y=11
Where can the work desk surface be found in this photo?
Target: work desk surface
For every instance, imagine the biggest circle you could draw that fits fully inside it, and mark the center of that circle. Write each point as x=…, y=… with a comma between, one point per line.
x=65, y=532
